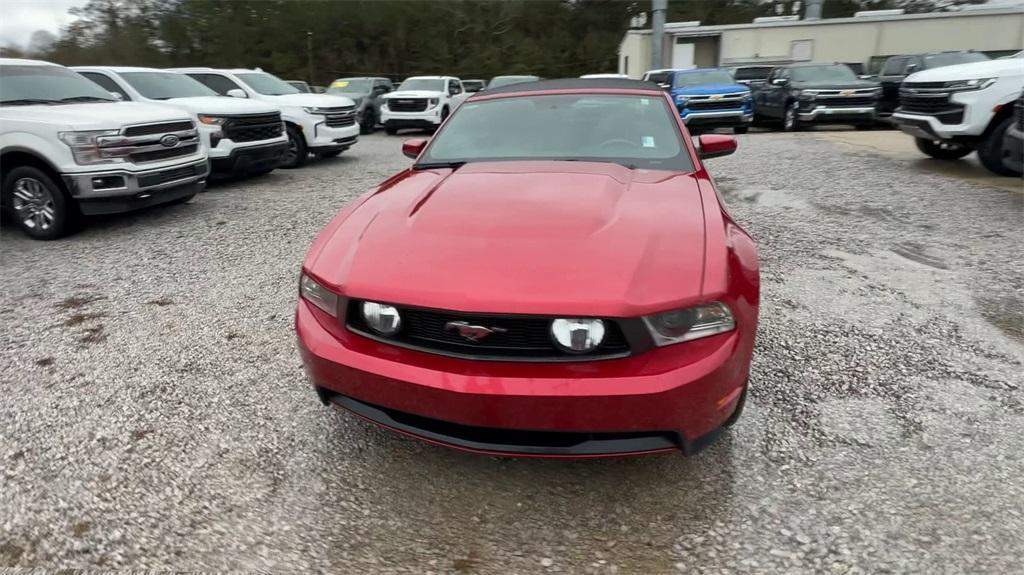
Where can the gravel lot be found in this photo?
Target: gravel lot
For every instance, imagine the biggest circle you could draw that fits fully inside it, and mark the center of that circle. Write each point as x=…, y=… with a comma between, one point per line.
x=156, y=416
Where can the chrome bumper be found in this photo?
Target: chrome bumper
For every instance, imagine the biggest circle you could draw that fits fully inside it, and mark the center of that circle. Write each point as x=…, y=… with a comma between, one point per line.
x=826, y=111
x=117, y=183
x=728, y=114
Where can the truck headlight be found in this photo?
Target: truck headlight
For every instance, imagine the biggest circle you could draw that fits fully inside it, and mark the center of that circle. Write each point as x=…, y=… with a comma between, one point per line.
x=577, y=335
x=212, y=120
x=86, y=150
x=318, y=295
x=315, y=110
x=975, y=84
x=682, y=100
x=434, y=101
x=691, y=323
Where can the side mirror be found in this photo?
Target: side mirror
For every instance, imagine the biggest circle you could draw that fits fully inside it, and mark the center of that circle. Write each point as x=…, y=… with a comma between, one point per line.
x=412, y=148
x=780, y=82
x=117, y=96
x=911, y=68
x=868, y=77
x=715, y=146
x=237, y=93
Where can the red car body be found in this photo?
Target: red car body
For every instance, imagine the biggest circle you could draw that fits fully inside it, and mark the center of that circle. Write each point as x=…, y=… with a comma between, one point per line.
x=491, y=238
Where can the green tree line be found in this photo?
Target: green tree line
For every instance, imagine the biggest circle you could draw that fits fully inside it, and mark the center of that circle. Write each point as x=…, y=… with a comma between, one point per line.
x=318, y=40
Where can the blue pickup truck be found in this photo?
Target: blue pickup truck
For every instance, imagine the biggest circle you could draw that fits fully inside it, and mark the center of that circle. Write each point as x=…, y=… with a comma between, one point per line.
x=708, y=98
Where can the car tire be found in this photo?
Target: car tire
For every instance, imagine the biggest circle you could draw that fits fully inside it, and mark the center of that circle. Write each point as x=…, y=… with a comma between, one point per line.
x=368, y=122
x=942, y=150
x=990, y=151
x=741, y=129
x=736, y=413
x=37, y=204
x=791, y=118
x=297, y=153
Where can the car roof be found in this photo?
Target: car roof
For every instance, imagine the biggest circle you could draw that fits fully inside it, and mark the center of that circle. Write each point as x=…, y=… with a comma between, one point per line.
x=692, y=70
x=25, y=62
x=585, y=84
x=431, y=78
x=360, y=78
x=220, y=70
x=120, y=69
x=810, y=64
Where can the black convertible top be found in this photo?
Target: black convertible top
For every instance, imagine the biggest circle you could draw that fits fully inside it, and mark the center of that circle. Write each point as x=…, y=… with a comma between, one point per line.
x=574, y=84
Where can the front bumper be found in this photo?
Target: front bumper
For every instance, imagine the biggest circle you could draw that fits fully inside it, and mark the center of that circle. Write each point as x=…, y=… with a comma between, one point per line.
x=250, y=159
x=833, y=115
x=323, y=138
x=120, y=190
x=719, y=118
x=673, y=398
x=1013, y=149
x=426, y=119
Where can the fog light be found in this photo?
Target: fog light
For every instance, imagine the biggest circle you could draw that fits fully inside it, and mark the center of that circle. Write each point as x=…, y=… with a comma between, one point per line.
x=382, y=318
x=577, y=335
x=108, y=183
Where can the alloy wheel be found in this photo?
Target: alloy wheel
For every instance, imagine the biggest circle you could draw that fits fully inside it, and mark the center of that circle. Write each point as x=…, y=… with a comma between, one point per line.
x=33, y=204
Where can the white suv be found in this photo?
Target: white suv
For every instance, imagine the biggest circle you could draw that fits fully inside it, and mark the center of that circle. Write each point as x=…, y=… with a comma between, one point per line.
x=68, y=147
x=244, y=136
x=320, y=124
x=421, y=102
x=954, y=110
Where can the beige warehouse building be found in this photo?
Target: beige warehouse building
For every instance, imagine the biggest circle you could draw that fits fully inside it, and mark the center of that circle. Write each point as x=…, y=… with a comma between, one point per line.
x=865, y=40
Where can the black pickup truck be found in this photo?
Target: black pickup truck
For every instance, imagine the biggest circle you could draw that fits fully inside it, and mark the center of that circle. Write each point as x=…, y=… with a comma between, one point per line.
x=802, y=94
x=897, y=68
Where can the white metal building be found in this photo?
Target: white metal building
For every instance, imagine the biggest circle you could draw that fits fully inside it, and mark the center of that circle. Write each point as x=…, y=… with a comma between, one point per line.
x=865, y=40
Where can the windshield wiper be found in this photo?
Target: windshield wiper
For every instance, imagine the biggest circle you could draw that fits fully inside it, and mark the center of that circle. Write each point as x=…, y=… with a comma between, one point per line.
x=87, y=99
x=429, y=165
x=28, y=102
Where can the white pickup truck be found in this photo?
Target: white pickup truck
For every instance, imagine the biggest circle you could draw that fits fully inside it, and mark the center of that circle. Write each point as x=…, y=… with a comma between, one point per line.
x=68, y=148
x=243, y=136
x=955, y=110
x=422, y=102
x=321, y=124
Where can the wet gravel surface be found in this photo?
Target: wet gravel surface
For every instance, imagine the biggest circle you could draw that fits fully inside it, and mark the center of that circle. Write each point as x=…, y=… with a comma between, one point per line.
x=155, y=414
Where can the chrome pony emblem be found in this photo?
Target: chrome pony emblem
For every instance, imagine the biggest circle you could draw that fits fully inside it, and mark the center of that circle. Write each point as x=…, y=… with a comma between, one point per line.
x=472, y=332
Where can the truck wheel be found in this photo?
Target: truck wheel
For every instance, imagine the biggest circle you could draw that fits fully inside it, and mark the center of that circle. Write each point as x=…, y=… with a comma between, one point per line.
x=296, y=154
x=791, y=120
x=37, y=204
x=990, y=151
x=942, y=150
x=740, y=129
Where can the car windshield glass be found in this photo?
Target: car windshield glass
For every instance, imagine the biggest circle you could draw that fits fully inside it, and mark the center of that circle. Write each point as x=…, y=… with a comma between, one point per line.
x=343, y=86
x=47, y=85
x=635, y=131
x=509, y=80
x=267, y=85
x=753, y=73
x=702, y=78
x=428, y=84
x=164, y=85
x=940, y=60
x=823, y=74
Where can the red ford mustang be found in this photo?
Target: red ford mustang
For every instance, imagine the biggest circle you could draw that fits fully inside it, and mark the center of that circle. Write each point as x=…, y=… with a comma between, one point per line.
x=555, y=275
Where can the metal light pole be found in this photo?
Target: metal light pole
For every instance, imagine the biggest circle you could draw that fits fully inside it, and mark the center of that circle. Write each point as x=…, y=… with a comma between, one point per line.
x=309, y=56
x=658, y=8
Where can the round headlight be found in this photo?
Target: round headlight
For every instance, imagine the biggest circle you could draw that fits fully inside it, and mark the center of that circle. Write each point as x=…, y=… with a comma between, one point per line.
x=577, y=335
x=383, y=319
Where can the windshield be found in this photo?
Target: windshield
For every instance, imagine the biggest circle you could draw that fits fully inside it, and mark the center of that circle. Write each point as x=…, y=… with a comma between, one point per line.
x=355, y=85
x=832, y=73
x=164, y=85
x=635, y=131
x=752, y=73
x=429, y=84
x=267, y=85
x=703, y=77
x=500, y=81
x=21, y=85
x=940, y=60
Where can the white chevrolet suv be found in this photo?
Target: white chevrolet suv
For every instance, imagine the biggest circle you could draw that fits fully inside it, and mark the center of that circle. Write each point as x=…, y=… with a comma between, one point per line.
x=954, y=110
x=422, y=102
x=243, y=136
x=68, y=147
x=321, y=124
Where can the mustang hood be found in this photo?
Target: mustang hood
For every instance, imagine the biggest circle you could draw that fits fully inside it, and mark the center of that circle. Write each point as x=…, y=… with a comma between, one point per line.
x=575, y=238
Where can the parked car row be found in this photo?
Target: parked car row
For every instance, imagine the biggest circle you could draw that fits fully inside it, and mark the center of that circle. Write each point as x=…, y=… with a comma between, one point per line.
x=101, y=140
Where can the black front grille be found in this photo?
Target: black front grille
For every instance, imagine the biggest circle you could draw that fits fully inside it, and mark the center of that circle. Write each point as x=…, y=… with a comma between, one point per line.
x=253, y=128
x=851, y=102
x=715, y=105
x=163, y=154
x=407, y=104
x=169, y=176
x=524, y=338
x=932, y=105
x=924, y=85
x=341, y=120
x=158, y=128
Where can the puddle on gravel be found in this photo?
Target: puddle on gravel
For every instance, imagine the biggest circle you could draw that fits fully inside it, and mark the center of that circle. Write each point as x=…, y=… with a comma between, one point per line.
x=1005, y=312
x=918, y=253
x=767, y=197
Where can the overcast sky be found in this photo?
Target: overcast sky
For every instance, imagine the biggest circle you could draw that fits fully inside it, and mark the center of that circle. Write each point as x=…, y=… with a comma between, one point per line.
x=20, y=18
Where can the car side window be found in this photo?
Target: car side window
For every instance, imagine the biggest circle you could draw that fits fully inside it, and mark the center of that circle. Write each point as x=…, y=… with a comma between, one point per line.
x=104, y=81
x=381, y=86
x=893, y=66
x=454, y=87
x=216, y=82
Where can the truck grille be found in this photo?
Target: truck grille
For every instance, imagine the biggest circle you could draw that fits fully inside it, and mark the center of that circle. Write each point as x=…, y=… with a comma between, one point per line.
x=170, y=175
x=166, y=154
x=150, y=129
x=704, y=105
x=526, y=338
x=407, y=104
x=931, y=104
x=253, y=128
x=851, y=102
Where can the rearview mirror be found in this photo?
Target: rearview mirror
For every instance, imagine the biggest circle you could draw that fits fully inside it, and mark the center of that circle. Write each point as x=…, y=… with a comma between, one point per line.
x=715, y=146
x=237, y=93
x=412, y=148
